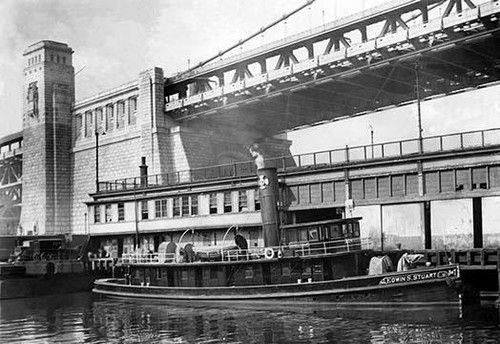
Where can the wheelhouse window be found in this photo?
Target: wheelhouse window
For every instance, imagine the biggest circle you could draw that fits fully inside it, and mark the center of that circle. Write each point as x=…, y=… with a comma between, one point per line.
x=144, y=210
x=228, y=206
x=213, y=203
x=161, y=208
x=121, y=211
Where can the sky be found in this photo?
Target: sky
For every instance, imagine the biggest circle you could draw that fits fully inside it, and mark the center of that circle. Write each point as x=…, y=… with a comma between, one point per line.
x=114, y=40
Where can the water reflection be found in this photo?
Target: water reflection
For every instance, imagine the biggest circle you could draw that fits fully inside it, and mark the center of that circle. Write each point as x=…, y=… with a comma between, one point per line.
x=89, y=319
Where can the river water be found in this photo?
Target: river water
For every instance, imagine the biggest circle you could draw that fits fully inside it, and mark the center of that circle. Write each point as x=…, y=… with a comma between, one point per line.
x=87, y=318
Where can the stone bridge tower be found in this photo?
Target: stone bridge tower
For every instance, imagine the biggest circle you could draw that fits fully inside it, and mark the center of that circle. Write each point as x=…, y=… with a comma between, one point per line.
x=48, y=96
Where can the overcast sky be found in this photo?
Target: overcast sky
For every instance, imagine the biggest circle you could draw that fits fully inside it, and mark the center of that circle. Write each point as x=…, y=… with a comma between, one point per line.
x=114, y=40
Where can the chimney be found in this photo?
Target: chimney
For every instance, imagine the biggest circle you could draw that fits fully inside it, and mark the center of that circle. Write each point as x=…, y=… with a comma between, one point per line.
x=269, y=196
x=143, y=172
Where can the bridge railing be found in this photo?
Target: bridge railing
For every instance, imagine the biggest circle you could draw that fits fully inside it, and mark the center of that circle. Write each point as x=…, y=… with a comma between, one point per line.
x=357, y=154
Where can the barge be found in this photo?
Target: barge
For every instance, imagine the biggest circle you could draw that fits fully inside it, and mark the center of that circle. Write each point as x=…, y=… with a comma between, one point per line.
x=45, y=266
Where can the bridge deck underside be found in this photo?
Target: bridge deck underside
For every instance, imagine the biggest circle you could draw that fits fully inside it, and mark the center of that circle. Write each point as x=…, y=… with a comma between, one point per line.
x=349, y=81
x=348, y=91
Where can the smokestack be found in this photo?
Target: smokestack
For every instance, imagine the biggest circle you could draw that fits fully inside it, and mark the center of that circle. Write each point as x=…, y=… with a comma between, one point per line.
x=267, y=179
x=143, y=172
x=269, y=195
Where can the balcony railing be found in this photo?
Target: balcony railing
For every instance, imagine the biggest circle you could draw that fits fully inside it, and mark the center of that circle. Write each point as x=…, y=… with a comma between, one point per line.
x=357, y=154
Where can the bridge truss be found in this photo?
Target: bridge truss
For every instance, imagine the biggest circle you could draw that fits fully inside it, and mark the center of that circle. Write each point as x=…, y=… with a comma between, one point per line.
x=10, y=183
x=348, y=67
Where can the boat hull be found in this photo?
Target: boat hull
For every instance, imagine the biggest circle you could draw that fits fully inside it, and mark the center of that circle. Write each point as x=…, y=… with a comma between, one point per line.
x=430, y=286
x=35, y=286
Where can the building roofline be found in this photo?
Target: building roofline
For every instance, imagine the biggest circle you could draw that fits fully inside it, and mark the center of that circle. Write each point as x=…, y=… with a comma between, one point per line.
x=53, y=45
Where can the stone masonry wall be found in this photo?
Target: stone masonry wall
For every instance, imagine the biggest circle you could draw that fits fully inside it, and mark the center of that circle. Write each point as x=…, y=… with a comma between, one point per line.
x=47, y=98
x=119, y=157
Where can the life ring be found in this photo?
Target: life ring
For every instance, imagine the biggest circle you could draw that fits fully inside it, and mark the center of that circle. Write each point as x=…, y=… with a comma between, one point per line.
x=269, y=253
x=280, y=254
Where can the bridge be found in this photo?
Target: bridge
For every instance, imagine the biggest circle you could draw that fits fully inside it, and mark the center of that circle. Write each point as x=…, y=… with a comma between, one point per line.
x=10, y=182
x=379, y=58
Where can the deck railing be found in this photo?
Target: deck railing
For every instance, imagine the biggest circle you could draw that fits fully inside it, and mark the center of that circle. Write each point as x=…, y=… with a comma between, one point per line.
x=299, y=249
x=356, y=154
x=147, y=258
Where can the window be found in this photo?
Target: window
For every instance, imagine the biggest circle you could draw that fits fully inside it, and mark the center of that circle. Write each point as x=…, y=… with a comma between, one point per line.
x=132, y=108
x=206, y=239
x=64, y=59
x=194, y=205
x=97, y=214
x=213, y=203
x=177, y=206
x=88, y=124
x=78, y=126
x=120, y=117
x=98, y=118
x=58, y=59
x=161, y=208
x=242, y=200
x=109, y=213
x=185, y=206
x=313, y=234
x=109, y=117
x=257, y=200
x=133, y=104
x=253, y=237
x=144, y=210
x=121, y=211
x=228, y=206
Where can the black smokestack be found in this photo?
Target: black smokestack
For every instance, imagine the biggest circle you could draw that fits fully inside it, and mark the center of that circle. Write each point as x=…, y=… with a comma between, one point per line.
x=143, y=172
x=269, y=195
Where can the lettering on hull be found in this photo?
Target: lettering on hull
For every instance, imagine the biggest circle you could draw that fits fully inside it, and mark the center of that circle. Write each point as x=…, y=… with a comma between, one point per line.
x=423, y=276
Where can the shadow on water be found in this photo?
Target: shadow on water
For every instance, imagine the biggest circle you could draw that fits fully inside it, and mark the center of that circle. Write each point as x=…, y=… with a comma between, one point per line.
x=90, y=319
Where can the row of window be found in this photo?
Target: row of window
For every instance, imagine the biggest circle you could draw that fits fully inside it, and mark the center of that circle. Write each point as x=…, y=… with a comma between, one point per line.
x=401, y=185
x=53, y=58
x=107, y=118
x=181, y=206
x=108, y=213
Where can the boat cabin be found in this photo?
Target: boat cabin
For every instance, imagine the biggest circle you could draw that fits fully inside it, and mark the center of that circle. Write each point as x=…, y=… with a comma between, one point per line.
x=315, y=251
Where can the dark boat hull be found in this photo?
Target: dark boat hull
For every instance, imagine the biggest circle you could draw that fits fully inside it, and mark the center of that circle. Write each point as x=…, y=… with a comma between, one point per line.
x=429, y=286
x=34, y=286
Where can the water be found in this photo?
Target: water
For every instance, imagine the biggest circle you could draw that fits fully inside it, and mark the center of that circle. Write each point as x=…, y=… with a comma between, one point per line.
x=85, y=318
